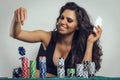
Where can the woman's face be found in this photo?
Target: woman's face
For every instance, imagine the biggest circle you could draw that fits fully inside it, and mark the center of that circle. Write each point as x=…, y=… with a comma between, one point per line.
x=67, y=22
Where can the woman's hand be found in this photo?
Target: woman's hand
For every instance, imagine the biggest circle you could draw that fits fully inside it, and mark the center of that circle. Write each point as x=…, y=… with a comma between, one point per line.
x=91, y=39
x=94, y=37
x=20, y=15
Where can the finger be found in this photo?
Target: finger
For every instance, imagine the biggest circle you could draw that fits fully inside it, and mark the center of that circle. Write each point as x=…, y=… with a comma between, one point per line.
x=99, y=31
x=25, y=13
x=95, y=30
x=18, y=15
x=15, y=16
x=99, y=34
x=21, y=14
x=99, y=28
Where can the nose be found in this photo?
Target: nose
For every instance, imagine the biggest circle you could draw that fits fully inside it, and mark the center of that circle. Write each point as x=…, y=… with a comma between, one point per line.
x=63, y=21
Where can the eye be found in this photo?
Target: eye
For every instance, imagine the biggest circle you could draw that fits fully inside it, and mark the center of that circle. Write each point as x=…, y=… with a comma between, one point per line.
x=69, y=20
x=61, y=17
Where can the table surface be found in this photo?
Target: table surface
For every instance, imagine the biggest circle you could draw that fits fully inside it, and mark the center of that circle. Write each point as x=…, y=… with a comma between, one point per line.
x=66, y=78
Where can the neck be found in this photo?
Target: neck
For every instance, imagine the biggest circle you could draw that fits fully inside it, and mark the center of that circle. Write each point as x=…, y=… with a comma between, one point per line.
x=66, y=39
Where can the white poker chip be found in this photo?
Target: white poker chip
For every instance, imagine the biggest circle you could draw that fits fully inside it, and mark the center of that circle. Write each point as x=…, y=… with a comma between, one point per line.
x=98, y=22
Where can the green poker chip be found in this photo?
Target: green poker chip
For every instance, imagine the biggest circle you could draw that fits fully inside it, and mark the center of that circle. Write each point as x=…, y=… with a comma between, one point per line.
x=71, y=72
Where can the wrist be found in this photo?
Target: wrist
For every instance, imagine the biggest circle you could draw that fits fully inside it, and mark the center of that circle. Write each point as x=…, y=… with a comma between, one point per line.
x=90, y=43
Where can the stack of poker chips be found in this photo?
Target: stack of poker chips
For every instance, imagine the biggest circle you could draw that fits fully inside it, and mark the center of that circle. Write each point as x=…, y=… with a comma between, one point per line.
x=32, y=68
x=60, y=68
x=85, y=70
x=92, y=69
x=42, y=66
x=79, y=70
x=71, y=72
x=25, y=70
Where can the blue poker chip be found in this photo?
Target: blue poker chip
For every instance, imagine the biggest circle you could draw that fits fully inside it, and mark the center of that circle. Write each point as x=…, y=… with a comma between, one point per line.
x=21, y=51
x=17, y=72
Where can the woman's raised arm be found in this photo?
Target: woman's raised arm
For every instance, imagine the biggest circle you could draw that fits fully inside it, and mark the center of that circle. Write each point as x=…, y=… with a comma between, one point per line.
x=17, y=32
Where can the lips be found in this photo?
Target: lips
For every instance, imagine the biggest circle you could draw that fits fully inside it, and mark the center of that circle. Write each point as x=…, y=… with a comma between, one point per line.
x=62, y=28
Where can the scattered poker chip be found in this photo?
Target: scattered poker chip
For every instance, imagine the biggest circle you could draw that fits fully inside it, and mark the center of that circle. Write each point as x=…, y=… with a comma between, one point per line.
x=71, y=72
x=17, y=72
x=21, y=51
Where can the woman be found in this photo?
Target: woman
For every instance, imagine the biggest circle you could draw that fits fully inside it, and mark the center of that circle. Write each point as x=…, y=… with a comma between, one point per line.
x=73, y=38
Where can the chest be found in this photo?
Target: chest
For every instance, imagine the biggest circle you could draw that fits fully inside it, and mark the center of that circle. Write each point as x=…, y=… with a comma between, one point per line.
x=60, y=51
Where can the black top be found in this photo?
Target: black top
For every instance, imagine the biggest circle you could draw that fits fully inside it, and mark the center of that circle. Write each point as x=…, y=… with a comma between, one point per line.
x=51, y=68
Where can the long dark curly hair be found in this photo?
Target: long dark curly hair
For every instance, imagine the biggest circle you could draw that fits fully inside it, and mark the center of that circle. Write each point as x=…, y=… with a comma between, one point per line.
x=79, y=42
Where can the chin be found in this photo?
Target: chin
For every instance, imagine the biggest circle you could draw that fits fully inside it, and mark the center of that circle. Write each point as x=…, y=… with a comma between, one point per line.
x=62, y=32
x=65, y=33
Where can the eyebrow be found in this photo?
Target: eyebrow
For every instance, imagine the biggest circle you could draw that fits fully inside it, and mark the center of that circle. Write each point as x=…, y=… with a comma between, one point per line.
x=67, y=17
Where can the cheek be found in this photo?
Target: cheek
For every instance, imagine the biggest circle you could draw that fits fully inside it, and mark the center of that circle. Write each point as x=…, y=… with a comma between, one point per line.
x=74, y=26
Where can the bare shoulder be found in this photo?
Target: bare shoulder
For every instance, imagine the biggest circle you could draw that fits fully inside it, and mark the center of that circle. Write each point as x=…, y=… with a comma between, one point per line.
x=45, y=37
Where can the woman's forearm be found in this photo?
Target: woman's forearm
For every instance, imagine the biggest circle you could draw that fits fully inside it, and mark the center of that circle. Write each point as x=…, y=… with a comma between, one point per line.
x=88, y=52
x=15, y=29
